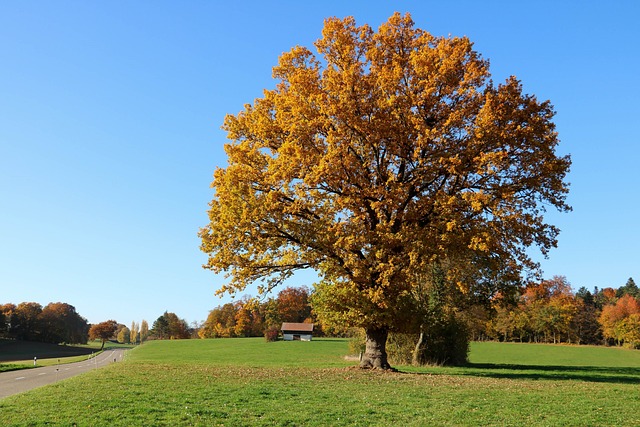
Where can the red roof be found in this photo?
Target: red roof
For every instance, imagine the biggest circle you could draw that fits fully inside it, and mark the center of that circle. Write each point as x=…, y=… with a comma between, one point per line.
x=298, y=327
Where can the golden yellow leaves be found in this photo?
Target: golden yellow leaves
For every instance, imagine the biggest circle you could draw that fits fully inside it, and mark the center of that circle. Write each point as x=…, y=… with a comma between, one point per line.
x=479, y=243
x=387, y=154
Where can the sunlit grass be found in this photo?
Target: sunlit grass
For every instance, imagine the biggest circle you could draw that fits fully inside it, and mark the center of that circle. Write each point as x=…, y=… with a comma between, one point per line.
x=251, y=352
x=13, y=366
x=248, y=382
x=550, y=354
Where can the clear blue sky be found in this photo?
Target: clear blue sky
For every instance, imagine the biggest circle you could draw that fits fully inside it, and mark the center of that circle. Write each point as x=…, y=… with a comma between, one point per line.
x=110, y=116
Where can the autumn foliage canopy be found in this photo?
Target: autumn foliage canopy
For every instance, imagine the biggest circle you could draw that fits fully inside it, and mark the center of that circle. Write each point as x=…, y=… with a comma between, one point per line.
x=103, y=331
x=375, y=158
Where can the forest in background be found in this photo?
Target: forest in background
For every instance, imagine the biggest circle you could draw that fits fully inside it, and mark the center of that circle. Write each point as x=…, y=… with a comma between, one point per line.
x=56, y=323
x=545, y=312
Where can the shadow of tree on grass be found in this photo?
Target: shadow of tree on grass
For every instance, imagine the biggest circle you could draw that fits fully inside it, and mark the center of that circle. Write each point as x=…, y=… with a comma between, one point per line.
x=621, y=375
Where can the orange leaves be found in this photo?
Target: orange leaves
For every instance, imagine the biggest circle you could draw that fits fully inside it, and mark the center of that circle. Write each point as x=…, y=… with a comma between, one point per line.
x=293, y=304
x=103, y=331
x=546, y=312
x=619, y=321
x=624, y=307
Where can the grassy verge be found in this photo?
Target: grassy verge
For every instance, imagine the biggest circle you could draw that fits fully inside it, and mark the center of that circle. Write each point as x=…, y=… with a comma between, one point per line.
x=247, y=382
x=17, y=355
x=13, y=366
x=28, y=364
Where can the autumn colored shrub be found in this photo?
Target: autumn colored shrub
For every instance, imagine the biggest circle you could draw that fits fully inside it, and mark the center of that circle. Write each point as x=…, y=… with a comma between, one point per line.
x=271, y=333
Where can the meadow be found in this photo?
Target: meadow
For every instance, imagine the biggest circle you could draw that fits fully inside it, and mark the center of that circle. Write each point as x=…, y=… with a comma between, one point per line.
x=249, y=382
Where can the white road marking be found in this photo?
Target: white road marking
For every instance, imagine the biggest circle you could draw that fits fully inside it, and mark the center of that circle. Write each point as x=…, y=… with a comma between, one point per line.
x=44, y=373
x=20, y=378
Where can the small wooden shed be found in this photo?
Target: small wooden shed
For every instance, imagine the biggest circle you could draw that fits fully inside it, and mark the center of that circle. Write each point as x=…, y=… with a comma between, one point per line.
x=297, y=331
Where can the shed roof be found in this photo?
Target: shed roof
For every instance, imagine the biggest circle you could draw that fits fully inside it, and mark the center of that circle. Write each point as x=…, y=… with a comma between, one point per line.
x=299, y=327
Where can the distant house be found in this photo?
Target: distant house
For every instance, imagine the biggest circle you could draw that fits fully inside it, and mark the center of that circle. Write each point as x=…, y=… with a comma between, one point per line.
x=297, y=331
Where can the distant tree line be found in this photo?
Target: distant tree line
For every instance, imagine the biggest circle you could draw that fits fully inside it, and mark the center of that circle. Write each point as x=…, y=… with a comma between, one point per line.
x=550, y=312
x=543, y=312
x=250, y=317
x=60, y=323
x=55, y=323
x=170, y=326
x=136, y=334
x=111, y=330
x=166, y=326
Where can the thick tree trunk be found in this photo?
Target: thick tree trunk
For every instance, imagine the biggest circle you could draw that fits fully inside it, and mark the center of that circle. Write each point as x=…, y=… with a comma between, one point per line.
x=375, y=355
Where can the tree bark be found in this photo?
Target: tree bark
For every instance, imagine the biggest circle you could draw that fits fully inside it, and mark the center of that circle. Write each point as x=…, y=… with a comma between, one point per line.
x=375, y=355
x=417, y=359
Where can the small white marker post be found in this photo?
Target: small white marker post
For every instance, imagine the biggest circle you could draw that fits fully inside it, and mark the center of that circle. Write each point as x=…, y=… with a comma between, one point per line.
x=35, y=361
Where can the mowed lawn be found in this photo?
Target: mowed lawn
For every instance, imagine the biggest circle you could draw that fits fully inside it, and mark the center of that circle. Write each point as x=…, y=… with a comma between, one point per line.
x=248, y=382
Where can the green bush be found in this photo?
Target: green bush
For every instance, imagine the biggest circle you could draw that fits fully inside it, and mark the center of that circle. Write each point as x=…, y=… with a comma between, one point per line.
x=445, y=342
x=400, y=348
x=357, y=341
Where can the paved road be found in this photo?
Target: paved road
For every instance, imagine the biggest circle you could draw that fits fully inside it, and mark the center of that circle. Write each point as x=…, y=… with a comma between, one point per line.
x=15, y=382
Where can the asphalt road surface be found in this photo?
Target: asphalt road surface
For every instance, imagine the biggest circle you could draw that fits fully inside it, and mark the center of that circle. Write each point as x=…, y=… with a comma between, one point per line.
x=15, y=382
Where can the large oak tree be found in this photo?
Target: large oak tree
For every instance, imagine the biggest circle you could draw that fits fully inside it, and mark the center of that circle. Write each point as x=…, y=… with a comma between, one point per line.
x=376, y=158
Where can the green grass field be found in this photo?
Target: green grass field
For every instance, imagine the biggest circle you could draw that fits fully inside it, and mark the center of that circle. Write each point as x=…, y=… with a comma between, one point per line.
x=248, y=382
